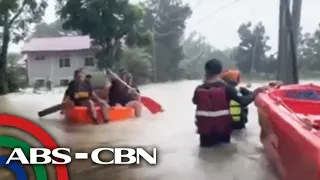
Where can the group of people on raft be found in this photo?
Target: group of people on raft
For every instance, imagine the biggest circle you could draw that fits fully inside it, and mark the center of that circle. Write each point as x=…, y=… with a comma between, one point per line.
x=220, y=107
x=81, y=93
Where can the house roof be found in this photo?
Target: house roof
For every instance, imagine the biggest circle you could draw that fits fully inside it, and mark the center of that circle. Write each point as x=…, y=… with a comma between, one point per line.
x=66, y=43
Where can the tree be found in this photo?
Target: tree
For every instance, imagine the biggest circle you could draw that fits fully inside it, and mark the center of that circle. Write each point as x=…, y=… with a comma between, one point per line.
x=54, y=29
x=13, y=58
x=107, y=22
x=138, y=62
x=310, y=51
x=197, y=53
x=15, y=18
x=166, y=18
x=231, y=53
x=251, y=51
x=15, y=74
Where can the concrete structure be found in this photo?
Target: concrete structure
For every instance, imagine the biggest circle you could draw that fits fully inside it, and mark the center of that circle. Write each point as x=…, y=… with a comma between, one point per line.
x=57, y=58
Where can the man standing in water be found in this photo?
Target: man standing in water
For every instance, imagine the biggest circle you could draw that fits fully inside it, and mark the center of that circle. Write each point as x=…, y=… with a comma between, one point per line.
x=80, y=93
x=49, y=84
x=212, y=98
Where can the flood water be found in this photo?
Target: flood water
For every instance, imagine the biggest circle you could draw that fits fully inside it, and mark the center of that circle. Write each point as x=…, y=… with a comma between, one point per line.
x=172, y=132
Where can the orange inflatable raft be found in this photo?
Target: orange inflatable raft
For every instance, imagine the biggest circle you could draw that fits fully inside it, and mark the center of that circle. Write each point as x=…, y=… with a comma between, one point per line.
x=290, y=130
x=81, y=115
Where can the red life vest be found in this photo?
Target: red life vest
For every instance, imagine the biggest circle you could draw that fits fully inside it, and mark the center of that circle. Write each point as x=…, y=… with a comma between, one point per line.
x=212, y=113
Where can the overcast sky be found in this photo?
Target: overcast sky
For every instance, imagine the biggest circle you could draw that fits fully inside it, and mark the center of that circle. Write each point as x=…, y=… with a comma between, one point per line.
x=220, y=27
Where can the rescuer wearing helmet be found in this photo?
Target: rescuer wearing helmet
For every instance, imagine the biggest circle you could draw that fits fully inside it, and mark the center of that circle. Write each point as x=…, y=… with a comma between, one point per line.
x=239, y=113
x=212, y=98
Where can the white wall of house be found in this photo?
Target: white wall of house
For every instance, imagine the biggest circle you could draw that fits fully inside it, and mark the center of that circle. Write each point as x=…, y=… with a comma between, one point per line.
x=48, y=66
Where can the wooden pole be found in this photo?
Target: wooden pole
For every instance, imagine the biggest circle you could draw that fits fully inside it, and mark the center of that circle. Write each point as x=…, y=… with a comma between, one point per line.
x=296, y=17
x=254, y=57
x=289, y=28
x=154, y=58
x=282, y=46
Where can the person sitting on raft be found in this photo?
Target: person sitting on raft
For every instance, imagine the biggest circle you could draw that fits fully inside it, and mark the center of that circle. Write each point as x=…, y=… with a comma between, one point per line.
x=212, y=98
x=80, y=93
x=100, y=92
x=88, y=78
x=127, y=77
x=120, y=95
x=239, y=113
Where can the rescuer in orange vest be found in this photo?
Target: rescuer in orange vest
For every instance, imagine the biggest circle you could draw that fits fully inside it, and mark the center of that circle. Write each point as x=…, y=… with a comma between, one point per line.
x=239, y=113
x=213, y=118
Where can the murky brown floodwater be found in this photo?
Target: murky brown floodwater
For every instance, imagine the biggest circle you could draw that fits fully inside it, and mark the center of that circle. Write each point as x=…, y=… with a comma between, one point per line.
x=173, y=132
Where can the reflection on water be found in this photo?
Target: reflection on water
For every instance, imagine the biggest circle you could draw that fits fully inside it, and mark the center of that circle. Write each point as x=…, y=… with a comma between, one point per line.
x=173, y=132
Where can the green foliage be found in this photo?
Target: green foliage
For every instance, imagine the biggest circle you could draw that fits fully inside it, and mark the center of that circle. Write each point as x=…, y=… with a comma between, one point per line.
x=197, y=53
x=13, y=59
x=16, y=16
x=251, y=52
x=139, y=38
x=137, y=62
x=16, y=78
x=107, y=22
x=54, y=29
x=167, y=18
x=13, y=81
x=310, y=51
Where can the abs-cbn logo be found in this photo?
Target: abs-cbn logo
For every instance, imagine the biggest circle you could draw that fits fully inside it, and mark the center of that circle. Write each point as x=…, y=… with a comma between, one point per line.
x=62, y=156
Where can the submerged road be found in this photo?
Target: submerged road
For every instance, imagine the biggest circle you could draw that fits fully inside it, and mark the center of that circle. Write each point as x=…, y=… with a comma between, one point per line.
x=172, y=132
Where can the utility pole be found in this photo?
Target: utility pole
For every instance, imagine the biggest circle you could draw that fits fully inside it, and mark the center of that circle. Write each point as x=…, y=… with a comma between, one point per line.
x=289, y=26
x=281, y=39
x=154, y=58
x=283, y=42
x=254, y=56
x=296, y=17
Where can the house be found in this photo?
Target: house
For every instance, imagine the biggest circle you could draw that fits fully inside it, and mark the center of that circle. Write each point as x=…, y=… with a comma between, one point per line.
x=56, y=58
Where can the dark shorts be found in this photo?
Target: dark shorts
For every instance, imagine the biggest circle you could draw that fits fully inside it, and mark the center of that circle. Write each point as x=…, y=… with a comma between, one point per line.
x=238, y=125
x=213, y=139
x=123, y=101
x=83, y=102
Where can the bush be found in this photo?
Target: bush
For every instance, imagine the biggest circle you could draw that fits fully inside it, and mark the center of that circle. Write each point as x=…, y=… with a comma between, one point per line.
x=137, y=62
x=12, y=81
x=16, y=79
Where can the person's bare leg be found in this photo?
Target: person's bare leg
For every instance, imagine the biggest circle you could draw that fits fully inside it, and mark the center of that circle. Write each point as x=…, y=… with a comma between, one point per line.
x=104, y=109
x=92, y=111
x=137, y=106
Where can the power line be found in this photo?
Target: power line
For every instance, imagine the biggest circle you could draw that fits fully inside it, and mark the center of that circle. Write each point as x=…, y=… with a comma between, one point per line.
x=218, y=11
x=166, y=34
x=196, y=5
x=201, y=20
x=177, y=19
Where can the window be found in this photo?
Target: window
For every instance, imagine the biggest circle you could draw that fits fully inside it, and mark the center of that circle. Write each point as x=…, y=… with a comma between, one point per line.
x=64, y=82
x=64, y=62
x=40, y=82
x=89, y=61
x=40, y=58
